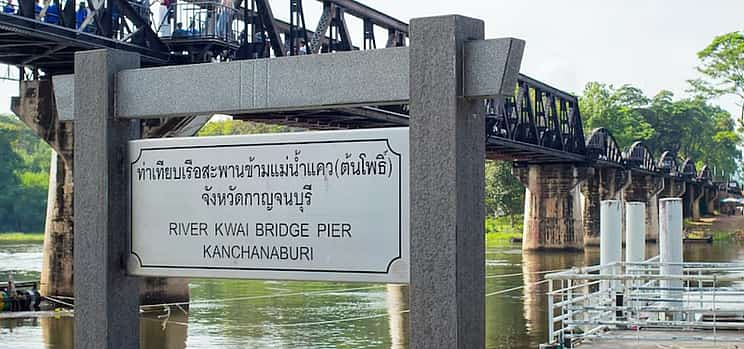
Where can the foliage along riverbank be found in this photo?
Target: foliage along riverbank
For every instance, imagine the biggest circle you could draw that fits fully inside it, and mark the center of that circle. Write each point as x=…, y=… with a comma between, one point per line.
x=24, y=177
x=501, y=230
x=21, y=237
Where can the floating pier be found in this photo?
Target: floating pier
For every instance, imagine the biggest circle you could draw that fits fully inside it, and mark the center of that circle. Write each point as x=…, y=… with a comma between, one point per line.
x=640, y=303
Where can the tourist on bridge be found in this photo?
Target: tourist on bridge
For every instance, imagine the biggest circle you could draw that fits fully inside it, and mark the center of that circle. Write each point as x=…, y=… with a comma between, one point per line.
x=115, y=18
x=180, y=32
x=37, y=10
x=52, y=14
x=9, y=8
x=224, y=20
x=81, y=14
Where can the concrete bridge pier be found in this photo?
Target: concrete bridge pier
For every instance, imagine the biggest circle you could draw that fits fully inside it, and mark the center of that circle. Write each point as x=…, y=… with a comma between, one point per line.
x=36, y=107
x=711, y=197
x=673, y=188
x=604, y=184
x=695, y=192
x=552, y=215
x=646, y=188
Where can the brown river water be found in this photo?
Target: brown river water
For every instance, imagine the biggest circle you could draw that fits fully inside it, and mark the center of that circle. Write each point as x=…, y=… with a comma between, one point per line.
x=280, y=314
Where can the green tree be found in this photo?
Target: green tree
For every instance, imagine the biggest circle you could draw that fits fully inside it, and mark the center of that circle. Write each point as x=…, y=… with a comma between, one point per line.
x=696, y=129
x=30, y=206
x=722, y=68
x=8, y=179
x=619, y=110
x=24, y=177
x=504, y=193
x=689, y=127
x=237, y=127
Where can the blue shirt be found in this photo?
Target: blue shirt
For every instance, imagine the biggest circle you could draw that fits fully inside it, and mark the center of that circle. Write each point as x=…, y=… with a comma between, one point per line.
x=8, y=8
x=80, y=17
x=52, y=14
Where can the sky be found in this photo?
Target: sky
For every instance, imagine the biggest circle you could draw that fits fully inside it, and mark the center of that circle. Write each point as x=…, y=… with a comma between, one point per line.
x=651, y=44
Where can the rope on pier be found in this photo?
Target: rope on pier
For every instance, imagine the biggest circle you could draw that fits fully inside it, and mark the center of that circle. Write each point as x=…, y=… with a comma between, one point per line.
x=515, y=288
x=518, y=274
x=55, y=300
x=297, y=324
x=275, y=295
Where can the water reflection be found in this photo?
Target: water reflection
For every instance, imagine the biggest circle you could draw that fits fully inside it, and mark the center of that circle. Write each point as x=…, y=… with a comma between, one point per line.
x=166, y=329
x=58, y=332
x=504, y=317
x=278, y=314
x=397, y=309
x=534, y=267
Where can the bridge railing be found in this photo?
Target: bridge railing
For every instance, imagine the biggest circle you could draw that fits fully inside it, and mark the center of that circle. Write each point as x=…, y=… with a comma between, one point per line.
x=200, y=21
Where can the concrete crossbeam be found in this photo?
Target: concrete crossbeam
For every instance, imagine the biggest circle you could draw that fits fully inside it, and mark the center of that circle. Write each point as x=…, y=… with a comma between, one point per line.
x=341, y=79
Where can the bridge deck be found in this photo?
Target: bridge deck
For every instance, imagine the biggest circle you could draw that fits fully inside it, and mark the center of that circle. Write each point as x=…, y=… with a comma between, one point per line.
x=507, y=149
x=25, y=41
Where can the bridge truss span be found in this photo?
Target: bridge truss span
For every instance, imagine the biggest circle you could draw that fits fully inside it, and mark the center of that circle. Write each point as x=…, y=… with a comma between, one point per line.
x=639, y=157
x=538, y=124
x=603, y=150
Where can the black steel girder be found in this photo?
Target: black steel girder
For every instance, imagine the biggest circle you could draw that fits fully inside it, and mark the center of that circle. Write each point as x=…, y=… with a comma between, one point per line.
x=54, y=45
x=362, y=11
x=267, y=18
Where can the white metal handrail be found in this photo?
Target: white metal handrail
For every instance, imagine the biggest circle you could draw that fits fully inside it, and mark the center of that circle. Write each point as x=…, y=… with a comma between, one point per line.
x=585, y=302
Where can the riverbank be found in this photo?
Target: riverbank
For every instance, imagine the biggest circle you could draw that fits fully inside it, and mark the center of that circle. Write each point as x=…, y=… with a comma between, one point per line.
x=500, y=231
x=21, y=237
x=721, y=228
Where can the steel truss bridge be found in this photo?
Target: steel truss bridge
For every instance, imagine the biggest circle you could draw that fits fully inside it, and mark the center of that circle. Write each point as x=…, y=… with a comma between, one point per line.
x=540, y=124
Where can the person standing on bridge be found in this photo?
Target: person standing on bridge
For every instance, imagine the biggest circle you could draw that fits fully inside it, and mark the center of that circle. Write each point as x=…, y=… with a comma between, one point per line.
x=52, y=14
x=225, y=19
x=9, y=8
x=37, y=10
x=81, y=14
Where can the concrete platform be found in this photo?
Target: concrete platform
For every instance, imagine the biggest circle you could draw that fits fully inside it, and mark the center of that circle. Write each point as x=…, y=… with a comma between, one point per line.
x=685, y=340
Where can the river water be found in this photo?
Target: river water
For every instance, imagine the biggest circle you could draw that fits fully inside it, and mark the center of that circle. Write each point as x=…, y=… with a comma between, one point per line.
x=279, y=314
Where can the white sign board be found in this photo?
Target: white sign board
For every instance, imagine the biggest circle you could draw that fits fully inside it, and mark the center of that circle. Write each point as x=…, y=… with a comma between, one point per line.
x=299, y=206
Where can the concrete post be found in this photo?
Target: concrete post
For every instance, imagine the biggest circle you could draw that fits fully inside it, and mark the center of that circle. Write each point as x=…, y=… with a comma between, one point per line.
x=670, y=247
x=106, y=299
x=610, y=245
x=447, y=145
x=635, y=226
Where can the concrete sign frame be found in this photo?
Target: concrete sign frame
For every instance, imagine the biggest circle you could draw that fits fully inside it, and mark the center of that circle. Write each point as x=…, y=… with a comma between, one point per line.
x=446, y=164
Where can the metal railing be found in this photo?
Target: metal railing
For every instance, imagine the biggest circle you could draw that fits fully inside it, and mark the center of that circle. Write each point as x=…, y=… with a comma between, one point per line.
x=200, y=20
x=585, y=303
